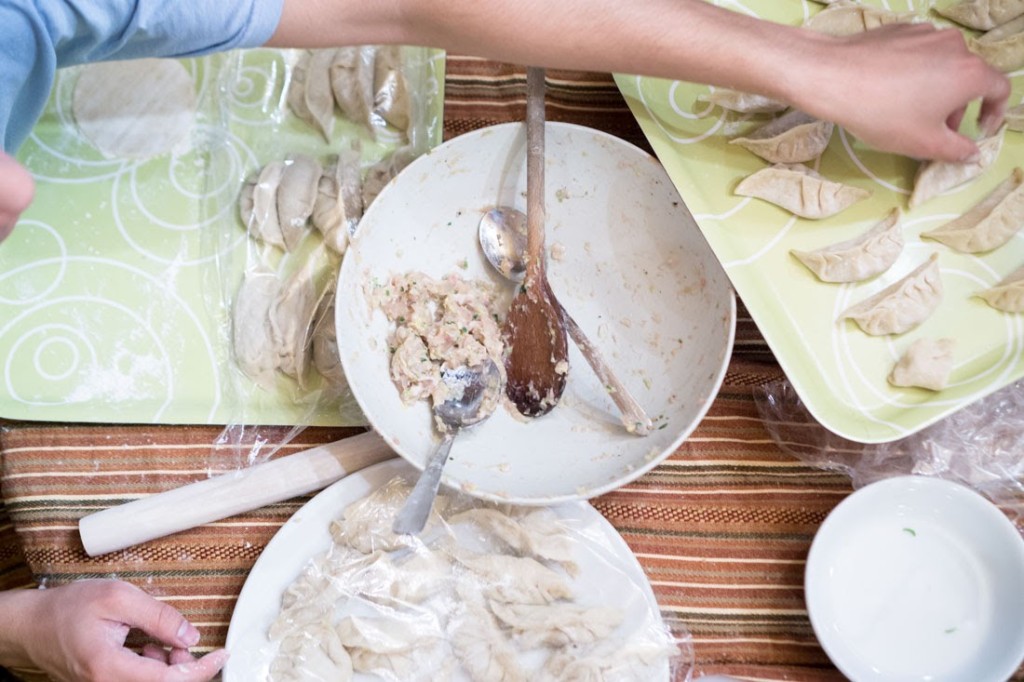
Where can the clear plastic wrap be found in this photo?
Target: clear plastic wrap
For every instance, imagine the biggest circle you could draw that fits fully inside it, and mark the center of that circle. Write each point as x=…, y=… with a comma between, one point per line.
x=312, y=136
x=486, y=592
x=978, y=446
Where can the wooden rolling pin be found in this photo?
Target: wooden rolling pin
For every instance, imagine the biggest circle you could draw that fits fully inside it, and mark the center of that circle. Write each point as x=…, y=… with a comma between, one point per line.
x=229, y=494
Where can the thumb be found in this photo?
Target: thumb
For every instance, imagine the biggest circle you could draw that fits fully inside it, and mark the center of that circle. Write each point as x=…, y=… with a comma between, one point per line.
x=159, y=620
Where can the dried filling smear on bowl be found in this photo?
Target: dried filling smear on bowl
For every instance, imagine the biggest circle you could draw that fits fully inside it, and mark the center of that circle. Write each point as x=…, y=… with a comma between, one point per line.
x=438, y=325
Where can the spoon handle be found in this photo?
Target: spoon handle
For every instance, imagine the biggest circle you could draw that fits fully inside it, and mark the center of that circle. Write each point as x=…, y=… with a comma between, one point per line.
x=634, y=418
x=411, y=519
x=535, y=216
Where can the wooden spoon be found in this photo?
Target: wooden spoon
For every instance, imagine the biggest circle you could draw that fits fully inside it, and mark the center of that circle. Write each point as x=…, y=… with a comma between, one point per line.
x=536, y=361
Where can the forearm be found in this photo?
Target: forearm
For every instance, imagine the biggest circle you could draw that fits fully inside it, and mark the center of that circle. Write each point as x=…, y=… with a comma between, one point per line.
x=679, y=39
x=17, y=609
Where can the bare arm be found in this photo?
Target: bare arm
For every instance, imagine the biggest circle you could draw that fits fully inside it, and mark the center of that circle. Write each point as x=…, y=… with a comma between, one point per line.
x=898, y=88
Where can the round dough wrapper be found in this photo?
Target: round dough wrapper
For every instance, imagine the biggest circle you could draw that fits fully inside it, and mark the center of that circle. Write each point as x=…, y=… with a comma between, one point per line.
x=134, y=109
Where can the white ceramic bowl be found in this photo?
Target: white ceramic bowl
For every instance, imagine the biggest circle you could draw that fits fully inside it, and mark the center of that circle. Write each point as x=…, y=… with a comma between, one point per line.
x=636, y=275
x=918, y=579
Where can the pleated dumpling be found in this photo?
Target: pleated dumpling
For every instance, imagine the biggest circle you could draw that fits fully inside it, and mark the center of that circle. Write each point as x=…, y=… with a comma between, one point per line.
x=339, y=201
x=309, y=94
x=988, y=224
x=792, y=138
x=935, y=177
x=1008, y=295
x=800, y=190
x=257, y=205
x=742, y=102
x=352, y=75
x=845, y=17
x=859, y=258
x=901, y=306
x=927, y=363
x=1015, y=118
x=1003, y=46
x=982, y=15
x=296, y=196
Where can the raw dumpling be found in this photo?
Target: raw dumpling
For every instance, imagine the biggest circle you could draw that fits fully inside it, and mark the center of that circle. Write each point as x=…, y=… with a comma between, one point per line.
x=516, y=580
x=313, y=654
x=326, y=358
x=1003, y=46
x=1008, y=295
x=339, y=201
x=843, y=18
x=309, y=94
x=296, y=196
x=352, y=75
x=859, y=258
x=292, y=312
x=988, y=224
x=742, y=102
x=1015, y=118
x=536, y=534
x=926, y=364
x=257, y=205
x=903, y=305
x=482, y=648
x=982, y=15
x=800, y=190
x=250, y=333
x=935, y=177
x=390, y=91
x=557, y=625
x=381, y=173
x=791, y=138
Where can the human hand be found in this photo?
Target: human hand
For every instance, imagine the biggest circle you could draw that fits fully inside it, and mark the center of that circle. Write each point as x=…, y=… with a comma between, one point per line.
x=76, y=633
x=16, y=190
x=904, y=88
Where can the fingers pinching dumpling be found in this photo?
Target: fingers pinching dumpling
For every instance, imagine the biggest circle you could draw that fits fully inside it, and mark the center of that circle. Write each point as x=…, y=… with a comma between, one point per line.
x=988, y=224
x=864, y=256
x=792, y=138
x=845, y=17
x=901, y=306
x=800, y=190
x=982, y=15
x=1003, y=46
x=935, y=177
x=927, y=363
x=1008, y=294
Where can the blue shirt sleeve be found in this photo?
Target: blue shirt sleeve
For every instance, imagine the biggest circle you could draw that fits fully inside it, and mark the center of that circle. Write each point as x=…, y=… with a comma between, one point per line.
x=39, y=36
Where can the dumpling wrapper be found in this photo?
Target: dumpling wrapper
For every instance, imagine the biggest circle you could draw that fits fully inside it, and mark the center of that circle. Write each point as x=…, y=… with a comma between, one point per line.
x=859, y=258
x=1003, y=46
x=134, y=109
x=844, y=18
x=1015, y=118
x=742, y=102
x=903, y=305
x=800, y=190
x=257, y=205
x=935, y=177
x=927, y=363
x=988, y=224
x=1008, y=294
x=250, y=332
x=296, y=196
x=792, y=138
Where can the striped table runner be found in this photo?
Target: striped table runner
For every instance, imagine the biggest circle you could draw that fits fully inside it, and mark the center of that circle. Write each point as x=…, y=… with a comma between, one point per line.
x=722, y=528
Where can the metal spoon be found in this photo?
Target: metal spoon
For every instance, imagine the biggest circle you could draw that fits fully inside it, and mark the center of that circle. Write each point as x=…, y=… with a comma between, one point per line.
x=474, y=393
x=534, y=334
x=502, y=235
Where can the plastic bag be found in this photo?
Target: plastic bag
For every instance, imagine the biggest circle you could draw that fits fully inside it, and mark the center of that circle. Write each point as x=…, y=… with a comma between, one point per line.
x=485, y=592
x=309, y=138
x=978, y=446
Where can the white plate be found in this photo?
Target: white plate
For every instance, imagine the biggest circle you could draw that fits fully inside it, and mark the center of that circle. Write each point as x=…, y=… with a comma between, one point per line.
x=917, y=578
x=609, y=573
x=637, y=275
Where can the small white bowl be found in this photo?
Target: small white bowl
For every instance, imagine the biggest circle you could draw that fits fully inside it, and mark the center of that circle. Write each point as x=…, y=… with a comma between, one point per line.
x=631, y=267
x=918, y=579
